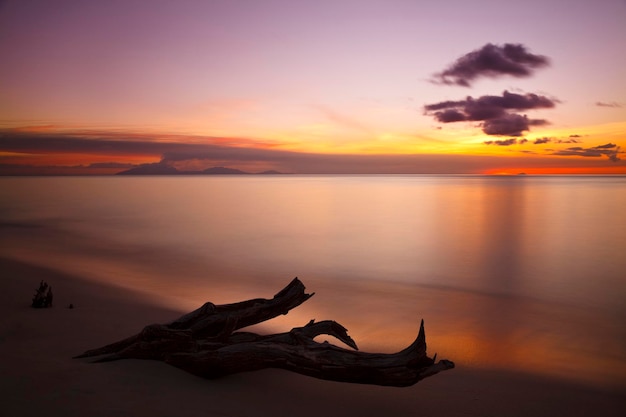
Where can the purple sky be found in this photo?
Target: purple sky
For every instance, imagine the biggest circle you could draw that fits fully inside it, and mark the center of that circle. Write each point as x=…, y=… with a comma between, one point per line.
x=308, y=76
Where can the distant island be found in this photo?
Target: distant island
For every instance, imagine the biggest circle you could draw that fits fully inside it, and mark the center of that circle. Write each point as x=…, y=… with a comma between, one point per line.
x=162, y=169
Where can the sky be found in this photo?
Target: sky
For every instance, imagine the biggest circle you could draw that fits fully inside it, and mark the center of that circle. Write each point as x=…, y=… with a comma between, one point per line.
x=343, y=86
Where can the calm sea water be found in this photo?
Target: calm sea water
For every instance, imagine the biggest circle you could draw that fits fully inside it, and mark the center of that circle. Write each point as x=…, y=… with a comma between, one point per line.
x=516, y=273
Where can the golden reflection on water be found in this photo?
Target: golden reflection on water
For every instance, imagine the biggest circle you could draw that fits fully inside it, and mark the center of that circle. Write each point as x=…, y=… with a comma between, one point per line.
x=481, y=330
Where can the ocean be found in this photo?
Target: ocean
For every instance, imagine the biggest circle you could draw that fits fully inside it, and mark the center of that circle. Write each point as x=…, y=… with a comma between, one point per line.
x=520, y=273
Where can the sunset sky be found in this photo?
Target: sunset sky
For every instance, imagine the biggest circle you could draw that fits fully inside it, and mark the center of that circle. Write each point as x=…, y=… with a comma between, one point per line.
x=343, y=86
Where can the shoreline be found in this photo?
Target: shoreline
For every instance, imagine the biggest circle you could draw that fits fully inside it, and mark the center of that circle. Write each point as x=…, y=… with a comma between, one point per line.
x=40, y=376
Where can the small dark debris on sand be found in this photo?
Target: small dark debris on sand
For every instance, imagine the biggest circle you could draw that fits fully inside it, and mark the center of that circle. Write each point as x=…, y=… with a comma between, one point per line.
x=43, y=296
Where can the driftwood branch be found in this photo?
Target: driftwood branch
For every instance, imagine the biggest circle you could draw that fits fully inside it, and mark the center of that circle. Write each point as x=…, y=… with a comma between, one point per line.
x=205, y=342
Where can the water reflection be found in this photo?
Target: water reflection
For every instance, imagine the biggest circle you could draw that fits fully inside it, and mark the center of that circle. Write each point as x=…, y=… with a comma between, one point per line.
x=498, y=267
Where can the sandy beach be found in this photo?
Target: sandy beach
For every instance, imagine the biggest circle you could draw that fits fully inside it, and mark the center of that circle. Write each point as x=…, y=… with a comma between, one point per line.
x=38, y=375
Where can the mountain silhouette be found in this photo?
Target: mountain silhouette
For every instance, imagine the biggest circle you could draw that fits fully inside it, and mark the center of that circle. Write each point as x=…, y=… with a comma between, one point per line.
x=156, y=168
x=223, y=171
x=159, y=168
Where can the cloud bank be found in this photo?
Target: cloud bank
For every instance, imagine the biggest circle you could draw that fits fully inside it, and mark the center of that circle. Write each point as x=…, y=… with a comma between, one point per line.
x=571, y=139
x=212, y=153
x=23, y=153
x=611, y=104
x=491, y=61
x=497, y=113
x=609, y=150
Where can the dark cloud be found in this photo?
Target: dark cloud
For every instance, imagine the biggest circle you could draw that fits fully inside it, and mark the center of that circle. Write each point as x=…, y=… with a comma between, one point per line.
x=59, y=143
x=491, y=61
x=450, y=116
x=486, y=107
x=504, y=142
x=496, y=112
x=613, y=156
x=610, y=150
x=544, y=140
x=612, y=104
x=507, y=125
x=607, y=146
x=110, y=165
x=98, y=168
x=540, y=141
x=118, y=144
x=572, y=139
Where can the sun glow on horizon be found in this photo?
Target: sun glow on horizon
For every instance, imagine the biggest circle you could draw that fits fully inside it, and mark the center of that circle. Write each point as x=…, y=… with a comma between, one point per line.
x=532, y=154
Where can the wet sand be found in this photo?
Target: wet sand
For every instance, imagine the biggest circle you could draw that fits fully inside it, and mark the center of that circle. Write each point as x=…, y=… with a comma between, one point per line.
x=38, y=375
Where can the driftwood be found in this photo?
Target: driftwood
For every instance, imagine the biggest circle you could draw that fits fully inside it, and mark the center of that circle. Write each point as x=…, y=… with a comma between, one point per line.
x=204, y=342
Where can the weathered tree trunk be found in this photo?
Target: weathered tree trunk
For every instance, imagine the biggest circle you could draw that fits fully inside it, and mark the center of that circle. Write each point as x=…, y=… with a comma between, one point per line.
x=204, y=342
